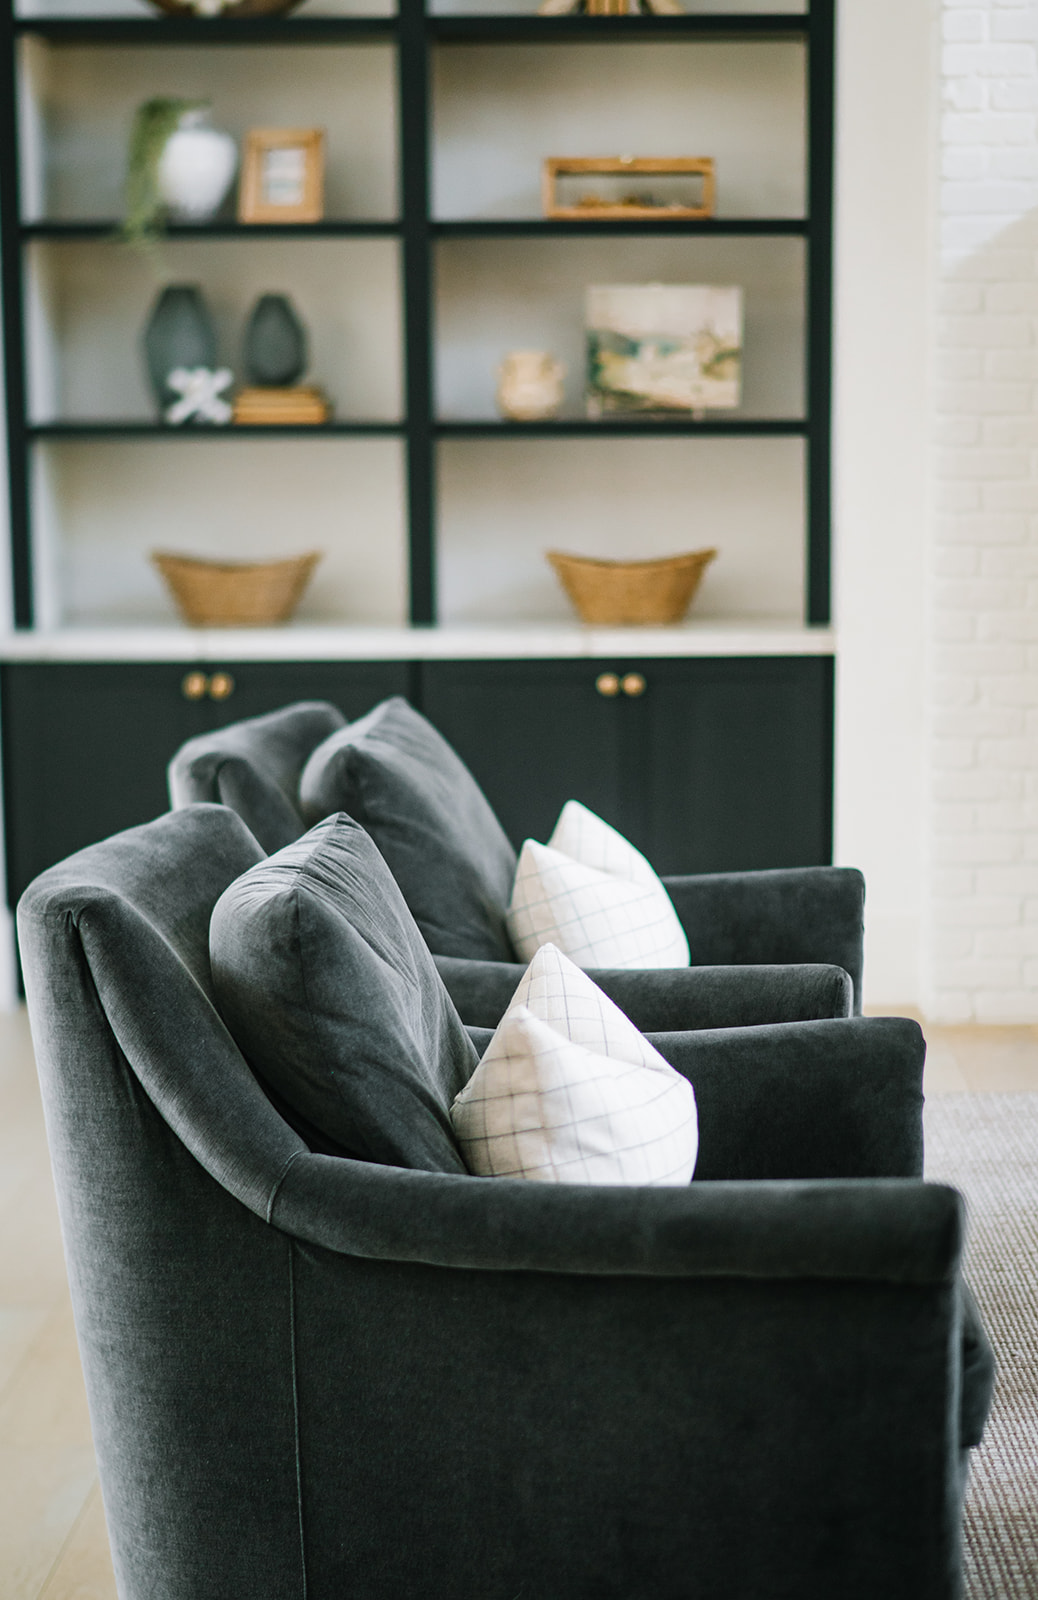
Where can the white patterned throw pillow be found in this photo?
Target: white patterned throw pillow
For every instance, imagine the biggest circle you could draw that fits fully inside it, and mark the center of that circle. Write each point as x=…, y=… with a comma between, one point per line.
x=595, y=896
x=569, y=1091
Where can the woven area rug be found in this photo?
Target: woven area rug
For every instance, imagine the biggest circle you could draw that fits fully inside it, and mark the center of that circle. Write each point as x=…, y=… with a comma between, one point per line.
x=987, y=1146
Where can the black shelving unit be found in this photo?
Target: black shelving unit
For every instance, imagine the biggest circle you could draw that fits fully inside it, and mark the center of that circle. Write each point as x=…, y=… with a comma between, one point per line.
x=416, y=36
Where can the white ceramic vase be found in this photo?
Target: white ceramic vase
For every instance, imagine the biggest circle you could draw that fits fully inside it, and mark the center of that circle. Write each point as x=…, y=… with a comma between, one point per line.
x=529, y=385
x=196, y=168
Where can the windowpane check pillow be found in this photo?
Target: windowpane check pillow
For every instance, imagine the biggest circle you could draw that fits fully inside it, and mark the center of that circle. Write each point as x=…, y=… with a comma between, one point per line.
x=594, y=896
x=569, y=1091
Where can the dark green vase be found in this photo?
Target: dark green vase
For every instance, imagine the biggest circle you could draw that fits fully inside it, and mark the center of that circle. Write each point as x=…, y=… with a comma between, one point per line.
x=275, y=352
x=178, y=333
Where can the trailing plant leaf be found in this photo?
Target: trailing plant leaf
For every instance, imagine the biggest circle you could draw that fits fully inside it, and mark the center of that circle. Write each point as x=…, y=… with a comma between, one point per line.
x=153, y=124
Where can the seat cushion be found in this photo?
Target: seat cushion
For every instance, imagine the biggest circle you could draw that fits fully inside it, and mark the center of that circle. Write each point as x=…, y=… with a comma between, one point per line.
x=401, y=780
x=332, y=995
x=569, y=1091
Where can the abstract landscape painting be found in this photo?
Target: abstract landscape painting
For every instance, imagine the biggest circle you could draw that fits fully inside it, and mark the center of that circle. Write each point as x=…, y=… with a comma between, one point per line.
x=663, y=348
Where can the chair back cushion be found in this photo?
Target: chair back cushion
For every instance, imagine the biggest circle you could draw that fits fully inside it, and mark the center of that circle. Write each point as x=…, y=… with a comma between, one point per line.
x=253, y=766
x=401, y=781
x=332, y=995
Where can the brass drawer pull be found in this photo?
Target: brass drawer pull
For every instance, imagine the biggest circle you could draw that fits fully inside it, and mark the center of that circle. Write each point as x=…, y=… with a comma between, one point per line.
x=193, y=685
x=608, y=683
x=633, y=684
x=221, y=686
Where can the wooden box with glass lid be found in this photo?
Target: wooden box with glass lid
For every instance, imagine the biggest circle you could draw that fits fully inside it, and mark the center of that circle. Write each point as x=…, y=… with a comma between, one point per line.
x=433, y=514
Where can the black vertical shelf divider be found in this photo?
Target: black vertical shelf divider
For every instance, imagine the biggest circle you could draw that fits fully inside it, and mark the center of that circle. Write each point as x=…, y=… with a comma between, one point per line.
x=821, y=131
x=413, y=91
x=13, y=334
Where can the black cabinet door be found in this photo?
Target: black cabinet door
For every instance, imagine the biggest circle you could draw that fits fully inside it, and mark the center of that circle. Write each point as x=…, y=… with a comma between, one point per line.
x=86, y=745
x=535, y=734
x=736, y=761
x=715, y=765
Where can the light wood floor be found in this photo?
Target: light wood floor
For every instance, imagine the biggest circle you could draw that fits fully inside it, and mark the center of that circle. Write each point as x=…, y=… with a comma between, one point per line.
x=53, y=1544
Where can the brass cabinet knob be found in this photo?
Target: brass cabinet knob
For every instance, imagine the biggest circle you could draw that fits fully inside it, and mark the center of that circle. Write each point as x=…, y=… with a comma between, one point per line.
x=608, y=683
x=633, y=683
x=193, y=685
x=221, y=686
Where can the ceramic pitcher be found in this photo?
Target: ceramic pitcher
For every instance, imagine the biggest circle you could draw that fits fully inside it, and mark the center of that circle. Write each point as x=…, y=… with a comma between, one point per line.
x=529, y=385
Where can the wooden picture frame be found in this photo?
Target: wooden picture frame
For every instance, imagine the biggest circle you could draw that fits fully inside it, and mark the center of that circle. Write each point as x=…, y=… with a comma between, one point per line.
x=627, y=167
x=282, y=175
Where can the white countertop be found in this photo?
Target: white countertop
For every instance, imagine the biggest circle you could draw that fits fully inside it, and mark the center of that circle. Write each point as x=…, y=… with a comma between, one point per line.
x=307, y=642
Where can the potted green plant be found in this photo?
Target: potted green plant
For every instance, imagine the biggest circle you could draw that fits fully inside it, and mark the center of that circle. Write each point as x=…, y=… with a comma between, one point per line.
x=177, y=165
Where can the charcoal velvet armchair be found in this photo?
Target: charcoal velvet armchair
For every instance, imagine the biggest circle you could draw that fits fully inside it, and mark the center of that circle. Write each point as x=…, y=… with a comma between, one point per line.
x=316, y=1377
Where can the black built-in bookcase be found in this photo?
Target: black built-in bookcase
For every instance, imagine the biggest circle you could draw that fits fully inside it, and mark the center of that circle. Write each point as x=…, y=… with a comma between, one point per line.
x=416, y=36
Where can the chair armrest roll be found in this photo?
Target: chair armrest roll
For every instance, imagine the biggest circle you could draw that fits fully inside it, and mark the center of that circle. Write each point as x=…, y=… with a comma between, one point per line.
x=669, y=998
x=806, y=1100
x=805, y=914
x=894, y=1231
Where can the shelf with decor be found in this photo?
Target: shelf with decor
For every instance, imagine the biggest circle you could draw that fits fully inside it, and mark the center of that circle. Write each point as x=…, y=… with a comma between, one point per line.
x=753, y=91
x=84, y=431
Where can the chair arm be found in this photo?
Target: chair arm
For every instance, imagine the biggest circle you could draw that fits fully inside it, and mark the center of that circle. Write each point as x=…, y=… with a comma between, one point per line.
x=629, y=1437
x=806, y=1100
x=668, y=998
x=891, y=1231
x=792, y=915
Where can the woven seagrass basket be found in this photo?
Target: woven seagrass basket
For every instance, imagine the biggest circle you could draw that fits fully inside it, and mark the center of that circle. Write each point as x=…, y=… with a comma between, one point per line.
x=622, y=593
x=235, y=594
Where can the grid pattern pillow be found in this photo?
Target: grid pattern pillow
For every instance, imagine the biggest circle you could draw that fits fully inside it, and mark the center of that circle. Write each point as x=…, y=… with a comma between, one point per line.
x=594, y=896
x=570, y=1092
x=585, y=837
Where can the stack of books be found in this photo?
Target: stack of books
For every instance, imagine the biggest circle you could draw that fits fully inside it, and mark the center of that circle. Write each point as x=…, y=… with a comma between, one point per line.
x=299, y=404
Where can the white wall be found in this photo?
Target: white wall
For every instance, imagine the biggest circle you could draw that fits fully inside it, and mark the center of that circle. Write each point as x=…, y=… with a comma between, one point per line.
x=982, y=933
x=937, y=498
x=884, y=276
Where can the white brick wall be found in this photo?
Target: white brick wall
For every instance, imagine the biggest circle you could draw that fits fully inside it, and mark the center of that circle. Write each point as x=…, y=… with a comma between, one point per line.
x=982, y=956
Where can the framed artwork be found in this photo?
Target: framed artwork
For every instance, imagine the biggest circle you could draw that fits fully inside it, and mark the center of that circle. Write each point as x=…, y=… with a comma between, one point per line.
x=282, y=175
x=663, y=348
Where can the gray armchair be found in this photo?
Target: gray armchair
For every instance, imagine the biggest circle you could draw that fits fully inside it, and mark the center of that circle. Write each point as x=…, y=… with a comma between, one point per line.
x=801, y=929
x=312, y=1376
